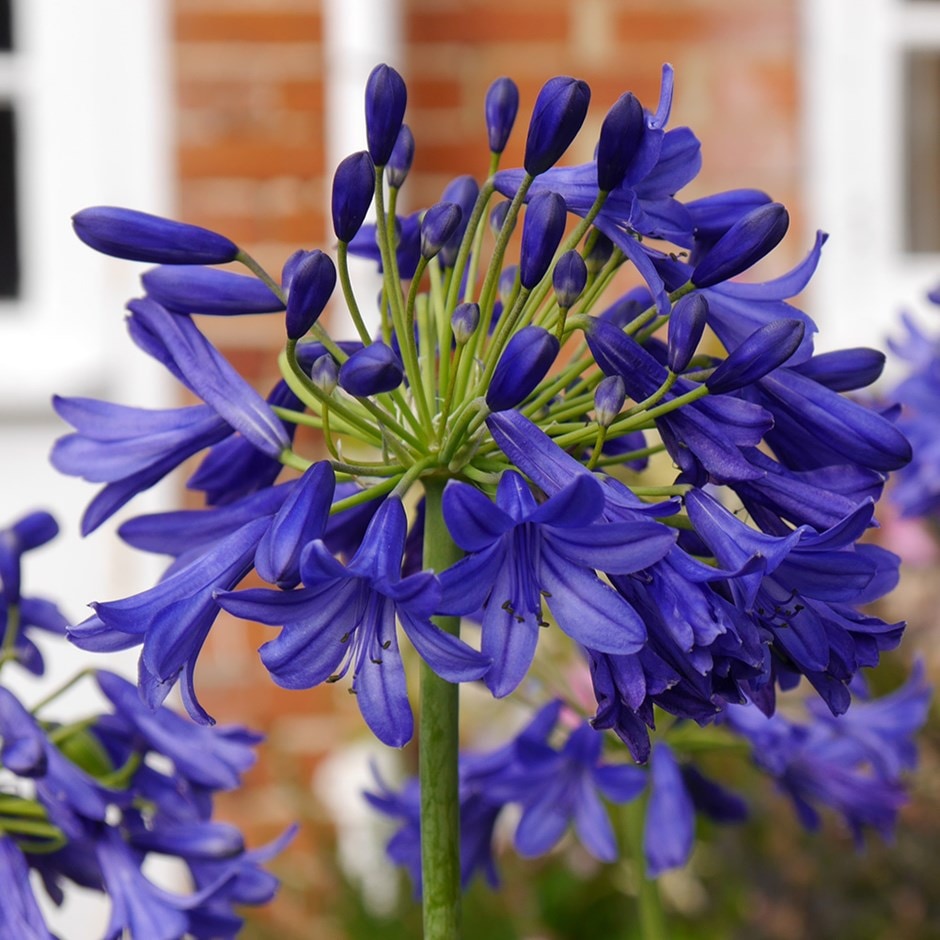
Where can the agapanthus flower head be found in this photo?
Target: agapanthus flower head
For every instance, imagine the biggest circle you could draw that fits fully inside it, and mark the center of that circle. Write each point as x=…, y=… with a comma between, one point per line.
x=386, y=97
x=519, y=402
x=559, y=112
x=139, y=236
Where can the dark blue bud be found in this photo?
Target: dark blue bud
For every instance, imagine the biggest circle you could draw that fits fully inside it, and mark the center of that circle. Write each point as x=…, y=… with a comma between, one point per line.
x=464, y=322
x=353, y=189
x=403, y=153
x=502, y=105
x=621, y=135
x=600, y=251
x=29, y=532
x=308, y=351
x=744, y=244
x=498, y=215
x=542, y=232
x=324, y=373
x=609, y=397
x=686, y=326
x=762, y=352
x=386, y=97
x=311, y=287
x=525, y=361
x=138, y=236
x=290, y=266
x=569, y=278
x=557, y=117
x=186, y=288
x=370, y=371
x=844, y=370
x=438, y=226
x=464, y=191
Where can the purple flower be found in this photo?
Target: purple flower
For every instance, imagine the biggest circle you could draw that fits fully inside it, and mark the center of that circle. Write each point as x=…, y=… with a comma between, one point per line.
x=522, y=554
x=438, y=225
x=763, y=351
x=686, y=326
x=128, y=449
x=669, y=832
x=20, y=916
x=173, y=618
x=621, y=137
x=344, y=617
x=138, y=236
x=568, y=278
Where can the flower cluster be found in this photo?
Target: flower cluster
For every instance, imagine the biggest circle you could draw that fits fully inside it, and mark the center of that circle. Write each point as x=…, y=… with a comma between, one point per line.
x=88, y=802
x=852, y=765
x=687, y=507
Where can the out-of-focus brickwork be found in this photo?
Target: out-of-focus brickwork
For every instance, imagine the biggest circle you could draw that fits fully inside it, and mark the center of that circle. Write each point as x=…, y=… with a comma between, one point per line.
x=250, y=89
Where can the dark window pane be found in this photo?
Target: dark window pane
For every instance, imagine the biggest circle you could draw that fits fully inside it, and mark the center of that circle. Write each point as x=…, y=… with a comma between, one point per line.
x=6, y=26
x=9, y=243
x=922, y=151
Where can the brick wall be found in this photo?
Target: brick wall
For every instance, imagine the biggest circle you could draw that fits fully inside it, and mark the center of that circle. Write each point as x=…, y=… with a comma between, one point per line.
x=250, y=84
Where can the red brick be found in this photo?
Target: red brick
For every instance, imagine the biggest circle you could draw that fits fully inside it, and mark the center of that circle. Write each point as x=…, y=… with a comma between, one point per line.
x=474, y=26
x=248, y=27
x=252, y=158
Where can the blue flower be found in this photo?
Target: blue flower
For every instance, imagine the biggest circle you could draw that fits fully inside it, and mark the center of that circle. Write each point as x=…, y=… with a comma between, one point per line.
x=523, y=554
x=173, y=619
x=20, y=916
x=194, y=289
x=669, y=832
x=344, y=617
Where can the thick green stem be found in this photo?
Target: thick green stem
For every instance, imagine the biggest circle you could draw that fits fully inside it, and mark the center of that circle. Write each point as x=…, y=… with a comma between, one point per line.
x=437, y=754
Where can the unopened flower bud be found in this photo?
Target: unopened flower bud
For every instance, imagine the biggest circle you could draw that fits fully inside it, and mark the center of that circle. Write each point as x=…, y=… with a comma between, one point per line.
x=386, y=97
x=686, y=326
x=621, y=135
x=498, y=216
x=542, y=231
x=353, y=189
x=525, y=361
x=438, y=226
x=569, y=278
x=463, y=191
x=762, y=352
x=557, y=117
x=609, y=397
x=502, y=105
x=844, y=370
x=403, y=153
x=139, y=236
x=324, y=373
x=187, y=288
x=464, y=322
x=311, y=287
x=743, y=245
x=370, y=371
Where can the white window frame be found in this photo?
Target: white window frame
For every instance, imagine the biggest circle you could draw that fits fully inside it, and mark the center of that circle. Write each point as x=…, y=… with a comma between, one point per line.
x=853, y=61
